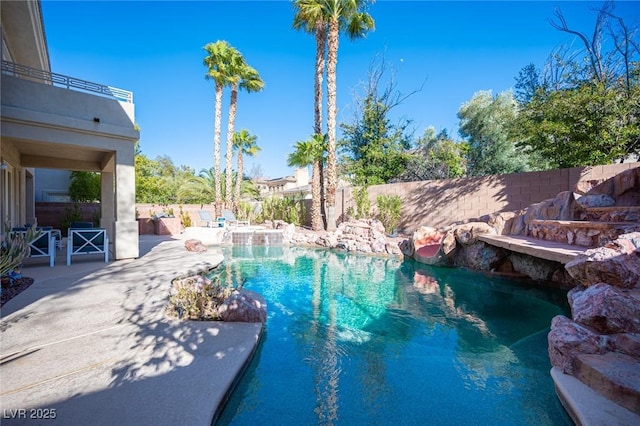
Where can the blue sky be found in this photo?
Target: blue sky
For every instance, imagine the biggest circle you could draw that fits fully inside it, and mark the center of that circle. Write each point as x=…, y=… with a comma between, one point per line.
x=155, y=49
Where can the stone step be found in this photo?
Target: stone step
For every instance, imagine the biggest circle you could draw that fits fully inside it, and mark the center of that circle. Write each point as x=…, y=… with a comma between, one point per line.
x=588, y=407
x=543, y=249
x=580, y=232
x=611, y=214
x=614, y=375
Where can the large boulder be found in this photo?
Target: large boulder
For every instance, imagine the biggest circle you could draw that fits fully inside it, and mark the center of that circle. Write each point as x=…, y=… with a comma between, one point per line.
x=568, y=339
x=617, y=263
x=244, y=306
x=606, y=309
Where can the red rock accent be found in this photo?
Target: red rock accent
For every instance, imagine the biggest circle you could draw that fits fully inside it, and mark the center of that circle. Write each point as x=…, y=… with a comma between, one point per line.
x=244, y=306
x=195, y=246
x=617, y=264
x=606, y=309
x=568, y=339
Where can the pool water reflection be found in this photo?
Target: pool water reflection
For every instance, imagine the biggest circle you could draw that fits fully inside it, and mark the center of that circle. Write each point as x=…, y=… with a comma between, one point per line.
x=363, y=340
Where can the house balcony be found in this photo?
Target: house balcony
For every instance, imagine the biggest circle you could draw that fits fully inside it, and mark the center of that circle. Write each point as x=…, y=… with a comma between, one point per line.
x=47, y=116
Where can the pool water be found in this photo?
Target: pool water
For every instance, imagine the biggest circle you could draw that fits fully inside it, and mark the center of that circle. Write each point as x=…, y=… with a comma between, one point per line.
x=360, y=340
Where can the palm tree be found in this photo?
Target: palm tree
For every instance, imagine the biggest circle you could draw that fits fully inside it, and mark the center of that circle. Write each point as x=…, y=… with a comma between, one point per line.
x=248, y=79
x=245, y=143
x=309, y=17
x=340, y=15
x=201, y=189
x=309, y=152
x=219, y=61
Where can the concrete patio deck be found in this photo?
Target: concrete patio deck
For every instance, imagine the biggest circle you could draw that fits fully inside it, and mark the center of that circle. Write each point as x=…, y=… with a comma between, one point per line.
x=90, y=344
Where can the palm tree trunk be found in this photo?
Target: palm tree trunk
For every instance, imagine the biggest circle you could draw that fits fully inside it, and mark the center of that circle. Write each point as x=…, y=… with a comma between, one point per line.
x=216, y=147
x=332, y=178
x=316, y=214
x=321, y=42
x=236, y=200
x=317, y=222
x=229, y=157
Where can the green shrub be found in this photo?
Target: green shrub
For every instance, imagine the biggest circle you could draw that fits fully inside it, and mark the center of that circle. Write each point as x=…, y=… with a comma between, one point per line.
x=290, y=210
x=185, y=219
x=245, y=211
x=363, y=205
x=389, y=207
x=14, y=248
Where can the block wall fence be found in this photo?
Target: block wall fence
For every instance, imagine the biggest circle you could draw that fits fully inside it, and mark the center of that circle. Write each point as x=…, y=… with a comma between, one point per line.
x=439, y=203
x=434, y=203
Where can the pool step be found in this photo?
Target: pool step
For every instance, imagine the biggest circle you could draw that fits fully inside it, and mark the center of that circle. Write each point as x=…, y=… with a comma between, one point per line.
x=583, y=233
x=543, y=249
x=614, y=375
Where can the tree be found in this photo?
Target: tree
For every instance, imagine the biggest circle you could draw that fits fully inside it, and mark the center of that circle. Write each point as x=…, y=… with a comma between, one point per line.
x=584, y=126
x=201, y=189
x=242, y=77
x=221, y=64
x=587, y=109
x=437, y=156
x=375, y=150
x=527, y=83
x=85, y=187
x=309, y=16
x=485, y=121
x=245, y=143
x=311, y=152
x=340, y=15
x=158, y=181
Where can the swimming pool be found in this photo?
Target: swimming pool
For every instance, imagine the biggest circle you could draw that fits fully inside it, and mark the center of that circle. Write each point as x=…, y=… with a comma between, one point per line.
x=363, y=340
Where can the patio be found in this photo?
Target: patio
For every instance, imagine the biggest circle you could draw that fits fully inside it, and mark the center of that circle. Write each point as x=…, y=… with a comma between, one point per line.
x=90, y=343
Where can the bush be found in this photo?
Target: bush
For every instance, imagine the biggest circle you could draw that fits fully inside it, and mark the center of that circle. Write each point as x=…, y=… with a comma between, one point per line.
x=389, y=207
x=197, y=297
x=14, y=248
x=185, y=219
x=363, y=205
x=290, y=210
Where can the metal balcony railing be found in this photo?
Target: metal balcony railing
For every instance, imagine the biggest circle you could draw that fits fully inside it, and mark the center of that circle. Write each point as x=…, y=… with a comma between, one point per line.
x=60, y=80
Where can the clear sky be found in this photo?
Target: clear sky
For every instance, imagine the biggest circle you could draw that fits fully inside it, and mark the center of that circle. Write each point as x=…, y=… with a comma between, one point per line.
x=155, y=49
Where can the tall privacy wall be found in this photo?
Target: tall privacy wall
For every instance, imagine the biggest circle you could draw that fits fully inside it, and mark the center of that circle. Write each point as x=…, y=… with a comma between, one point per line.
x=441, y=202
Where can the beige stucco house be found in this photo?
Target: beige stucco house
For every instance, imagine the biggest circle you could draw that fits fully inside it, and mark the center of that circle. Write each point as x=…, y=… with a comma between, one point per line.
x=59, y=122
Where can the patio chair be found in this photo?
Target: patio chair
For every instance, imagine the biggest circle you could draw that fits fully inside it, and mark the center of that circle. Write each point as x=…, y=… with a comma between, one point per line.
x=43, y=246
x=231, y=219
x=205, y=216
x=87, y=241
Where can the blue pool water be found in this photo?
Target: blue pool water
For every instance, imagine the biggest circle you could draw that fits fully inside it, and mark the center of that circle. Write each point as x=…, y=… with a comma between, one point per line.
x=359, y=340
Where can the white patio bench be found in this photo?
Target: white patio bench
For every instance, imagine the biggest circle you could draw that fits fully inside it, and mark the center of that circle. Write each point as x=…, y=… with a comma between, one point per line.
x=87, y=241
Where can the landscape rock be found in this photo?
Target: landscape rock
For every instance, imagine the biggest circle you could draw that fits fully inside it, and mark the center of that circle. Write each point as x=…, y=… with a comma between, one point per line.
x=596, y=200
x=244, y=306
x=568, y=339
x=606, y=309
x=617, y=263
x=468, y=233
x=194, y=245
x=626, y=343
x=480, y=256
x=534, y=268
